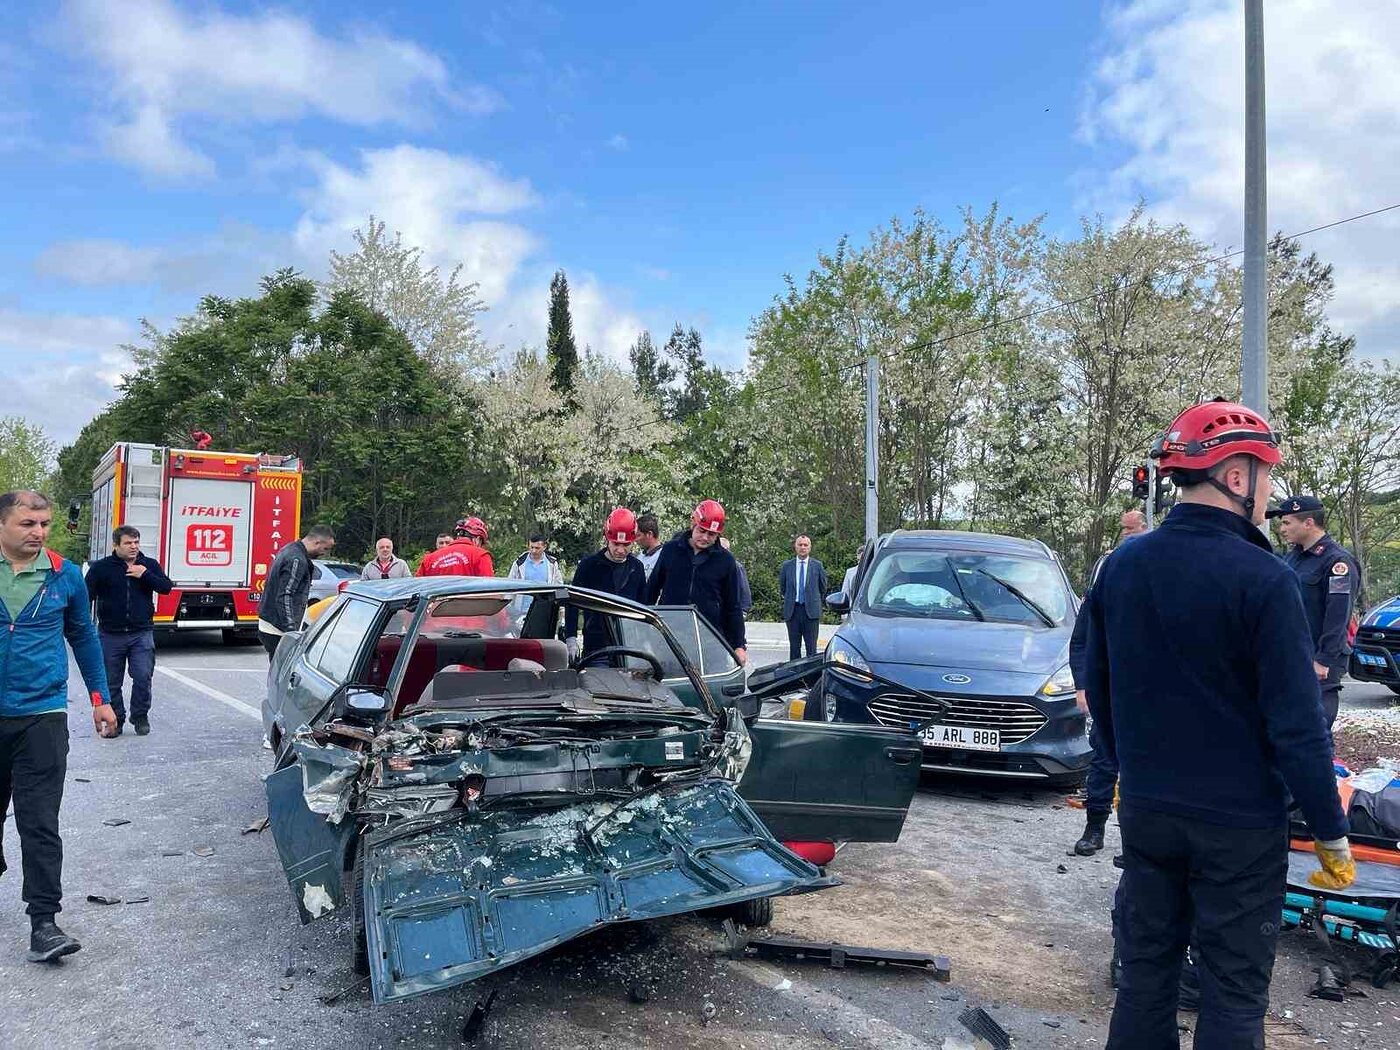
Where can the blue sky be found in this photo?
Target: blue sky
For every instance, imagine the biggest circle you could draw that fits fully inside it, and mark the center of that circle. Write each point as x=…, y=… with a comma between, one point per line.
x=676, y=164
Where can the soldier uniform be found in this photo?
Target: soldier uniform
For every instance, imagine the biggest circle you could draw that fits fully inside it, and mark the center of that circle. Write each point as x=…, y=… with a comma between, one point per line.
x=1330, y=578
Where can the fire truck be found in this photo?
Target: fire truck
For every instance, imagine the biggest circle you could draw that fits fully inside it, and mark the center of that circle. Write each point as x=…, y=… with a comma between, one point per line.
x=214, y=521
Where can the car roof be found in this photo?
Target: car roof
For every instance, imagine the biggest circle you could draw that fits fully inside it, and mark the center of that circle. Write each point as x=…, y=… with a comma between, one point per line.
x=951, y=539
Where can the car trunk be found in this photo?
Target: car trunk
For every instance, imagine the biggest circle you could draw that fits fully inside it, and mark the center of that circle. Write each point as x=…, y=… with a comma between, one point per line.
x=448, y=900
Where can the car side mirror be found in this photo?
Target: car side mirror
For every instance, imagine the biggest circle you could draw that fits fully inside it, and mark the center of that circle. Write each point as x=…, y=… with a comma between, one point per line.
x=733, y=689
x=748, y=707
x=362, y=704
x=837, y=602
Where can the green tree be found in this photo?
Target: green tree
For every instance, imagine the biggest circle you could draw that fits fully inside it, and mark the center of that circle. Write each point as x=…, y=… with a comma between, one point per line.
x=651, y=371
x=26, y=454
x=560, y=348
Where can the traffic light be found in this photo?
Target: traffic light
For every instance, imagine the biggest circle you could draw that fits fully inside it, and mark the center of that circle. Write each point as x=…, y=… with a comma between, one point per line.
x=1140, y=486
x=1159, y=498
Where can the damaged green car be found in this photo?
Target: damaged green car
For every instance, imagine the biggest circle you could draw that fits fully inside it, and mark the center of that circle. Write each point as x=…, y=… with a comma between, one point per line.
x=475, y=797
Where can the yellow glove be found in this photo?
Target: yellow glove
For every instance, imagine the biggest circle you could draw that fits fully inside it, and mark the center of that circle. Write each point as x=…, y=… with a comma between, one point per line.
x=1338, y=869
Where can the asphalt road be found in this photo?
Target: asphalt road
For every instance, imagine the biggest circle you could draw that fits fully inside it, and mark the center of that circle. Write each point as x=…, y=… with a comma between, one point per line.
x=216, y=958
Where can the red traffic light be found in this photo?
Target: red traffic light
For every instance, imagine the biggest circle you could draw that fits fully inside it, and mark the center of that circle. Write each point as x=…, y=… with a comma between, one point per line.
x=1140, y=485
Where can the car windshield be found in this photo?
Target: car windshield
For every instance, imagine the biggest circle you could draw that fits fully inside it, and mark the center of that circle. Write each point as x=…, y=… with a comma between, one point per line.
x=956, y=585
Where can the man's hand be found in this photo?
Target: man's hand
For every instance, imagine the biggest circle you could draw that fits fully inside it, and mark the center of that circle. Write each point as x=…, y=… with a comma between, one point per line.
x=1320, y=670
x=743, y=655
x=105, y=720
x=572, y=646
x=136, y=569
x=1338, y=869
x=1081, y=701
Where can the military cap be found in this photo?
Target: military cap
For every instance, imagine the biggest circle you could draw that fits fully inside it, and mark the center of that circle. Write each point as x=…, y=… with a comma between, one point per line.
x=1295, y=505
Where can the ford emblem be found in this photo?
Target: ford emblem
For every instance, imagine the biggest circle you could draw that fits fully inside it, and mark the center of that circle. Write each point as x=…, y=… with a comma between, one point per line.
x=956, y=679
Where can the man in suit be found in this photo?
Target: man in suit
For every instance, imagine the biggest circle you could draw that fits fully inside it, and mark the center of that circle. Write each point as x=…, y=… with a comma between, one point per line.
x=802, y=581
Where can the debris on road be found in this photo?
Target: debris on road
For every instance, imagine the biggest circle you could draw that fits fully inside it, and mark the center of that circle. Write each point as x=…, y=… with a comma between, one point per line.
x=102, y=898
x=203, y=851
x=256, y=827
x=331, y=998
x=980, y=1023
x=837, y=956
x=172, y=853
x=81, y=780
x=116, y=822
x=477, y=1018
x=141, y=899
x=708, y=1012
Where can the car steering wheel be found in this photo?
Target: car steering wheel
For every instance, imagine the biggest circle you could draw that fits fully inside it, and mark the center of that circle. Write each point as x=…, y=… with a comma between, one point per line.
x=621, y=650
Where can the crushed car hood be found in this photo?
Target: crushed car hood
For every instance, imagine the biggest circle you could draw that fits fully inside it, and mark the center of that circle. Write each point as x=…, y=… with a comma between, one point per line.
x=449, y=899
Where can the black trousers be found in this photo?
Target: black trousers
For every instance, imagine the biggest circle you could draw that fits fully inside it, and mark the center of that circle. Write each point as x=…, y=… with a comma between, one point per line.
x=33, y=765
x=1225, y=886
x=270, y=642
x=1102, y=778
x=802, y=630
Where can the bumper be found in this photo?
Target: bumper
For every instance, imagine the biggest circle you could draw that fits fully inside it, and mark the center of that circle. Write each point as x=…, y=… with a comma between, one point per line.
x=1058, y=749
x=1376, y=657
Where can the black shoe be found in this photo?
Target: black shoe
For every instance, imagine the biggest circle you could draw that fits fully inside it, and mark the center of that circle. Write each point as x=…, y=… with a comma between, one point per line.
x=141, y=725
x=1092, y=840
x=48, y=943
x=1115, y=968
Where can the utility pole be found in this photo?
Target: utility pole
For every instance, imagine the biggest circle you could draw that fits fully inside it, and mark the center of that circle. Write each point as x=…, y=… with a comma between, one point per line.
x=1254, y=358
x=872, y=447
x=1150, y=507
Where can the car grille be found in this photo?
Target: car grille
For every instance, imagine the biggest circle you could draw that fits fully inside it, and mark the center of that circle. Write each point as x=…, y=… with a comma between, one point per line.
x=1384, y=637
x=1016, y=720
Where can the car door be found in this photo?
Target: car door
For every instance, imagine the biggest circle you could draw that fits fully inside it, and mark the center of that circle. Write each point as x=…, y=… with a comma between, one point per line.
x=704, y=648
x=831, y=782
x=322, y=663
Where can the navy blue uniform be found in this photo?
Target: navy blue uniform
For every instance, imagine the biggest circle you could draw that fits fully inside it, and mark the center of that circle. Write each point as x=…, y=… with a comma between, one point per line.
x=708, y=580
x=598, y=572
x=1202, y=686
x=1329, y=577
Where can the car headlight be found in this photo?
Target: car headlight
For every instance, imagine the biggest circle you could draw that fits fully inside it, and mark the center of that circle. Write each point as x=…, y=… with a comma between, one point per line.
x=1061, y=683
x=844, y=655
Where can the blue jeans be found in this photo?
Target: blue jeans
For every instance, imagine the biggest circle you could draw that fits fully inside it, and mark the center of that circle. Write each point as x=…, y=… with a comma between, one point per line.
x=134, y=652
x=1103, y=776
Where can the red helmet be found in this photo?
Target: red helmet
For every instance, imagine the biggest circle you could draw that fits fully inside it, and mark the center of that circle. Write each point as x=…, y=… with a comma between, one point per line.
x=621, y=526
x=1212, y=431
x=470, y=527
x=709, y=515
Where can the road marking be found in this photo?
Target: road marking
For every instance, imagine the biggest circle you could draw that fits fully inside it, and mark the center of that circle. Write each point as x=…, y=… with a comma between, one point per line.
x=215, y=667
x=212, y=693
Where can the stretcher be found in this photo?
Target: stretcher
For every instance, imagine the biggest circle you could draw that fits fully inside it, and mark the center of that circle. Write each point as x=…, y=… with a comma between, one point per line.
x=1367, y=912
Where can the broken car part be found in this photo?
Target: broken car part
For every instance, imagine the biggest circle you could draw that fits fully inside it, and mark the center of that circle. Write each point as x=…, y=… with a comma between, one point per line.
x=837, y=956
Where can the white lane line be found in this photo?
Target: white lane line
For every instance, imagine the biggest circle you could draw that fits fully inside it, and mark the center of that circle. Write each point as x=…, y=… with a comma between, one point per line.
x=212, y=693
x=216, y=667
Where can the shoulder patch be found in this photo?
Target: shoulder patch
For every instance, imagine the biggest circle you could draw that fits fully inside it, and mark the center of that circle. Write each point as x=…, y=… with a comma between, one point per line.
x=1340, y=568
x=1338, y=585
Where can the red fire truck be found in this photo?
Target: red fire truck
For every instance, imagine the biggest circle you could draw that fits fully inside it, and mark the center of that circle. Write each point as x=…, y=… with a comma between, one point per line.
x=214, y=520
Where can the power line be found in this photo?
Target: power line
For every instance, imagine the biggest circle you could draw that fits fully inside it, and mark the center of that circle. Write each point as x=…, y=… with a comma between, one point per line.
x=1037, y=311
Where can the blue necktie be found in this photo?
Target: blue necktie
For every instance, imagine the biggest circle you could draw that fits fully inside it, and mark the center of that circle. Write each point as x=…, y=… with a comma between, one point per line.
x=801, y=580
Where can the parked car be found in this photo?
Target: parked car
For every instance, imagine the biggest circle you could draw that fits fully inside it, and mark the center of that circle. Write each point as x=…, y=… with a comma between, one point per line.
x=1375, y=655
x=330, y=577
x=979, y=624
x=491, y=799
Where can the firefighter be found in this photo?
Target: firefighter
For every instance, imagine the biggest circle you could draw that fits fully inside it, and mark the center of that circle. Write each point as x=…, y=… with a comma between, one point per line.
x=466, y=555
x=613, y=570
x=695, y=570
x=1201, y=683
x=1330, y=578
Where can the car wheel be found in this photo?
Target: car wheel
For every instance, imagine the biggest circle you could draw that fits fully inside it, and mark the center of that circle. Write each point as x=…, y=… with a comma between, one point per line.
x=360, y=959
x=1393, y=688
x=754, y=913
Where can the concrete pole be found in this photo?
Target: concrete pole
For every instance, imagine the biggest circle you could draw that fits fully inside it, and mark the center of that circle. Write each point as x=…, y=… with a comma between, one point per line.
x=1254, y=358
x=1150, y=511
x=872, y=447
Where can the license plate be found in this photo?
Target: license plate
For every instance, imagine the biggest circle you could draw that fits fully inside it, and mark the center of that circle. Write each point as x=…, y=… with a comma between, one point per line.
x=962, y=736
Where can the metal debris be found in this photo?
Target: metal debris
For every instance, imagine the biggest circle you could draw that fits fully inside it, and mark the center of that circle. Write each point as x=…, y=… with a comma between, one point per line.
x=977, y=1021
x=203, y=851
x=331, y=998
x=139, y=899
x=81, y=780
x=256, y=827
x=172, y=853
x=708, y=1012
x=476, y=1020
x=102, y=898
x=116, y=822
x=837, y=956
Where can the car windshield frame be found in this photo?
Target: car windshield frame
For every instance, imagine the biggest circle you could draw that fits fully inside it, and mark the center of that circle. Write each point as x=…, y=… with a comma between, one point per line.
x=582, y=598
x=978, y=591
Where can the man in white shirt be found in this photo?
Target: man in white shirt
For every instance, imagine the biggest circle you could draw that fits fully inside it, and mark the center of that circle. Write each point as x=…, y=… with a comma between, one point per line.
x=649, y=542
x=802, y=581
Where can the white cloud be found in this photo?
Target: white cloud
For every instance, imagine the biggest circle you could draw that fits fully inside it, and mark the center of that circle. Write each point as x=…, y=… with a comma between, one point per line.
x=168, y=67
x=60, y=369
x=1168, y=102
x=619, y=142
x=435, y=199
x=601, y=321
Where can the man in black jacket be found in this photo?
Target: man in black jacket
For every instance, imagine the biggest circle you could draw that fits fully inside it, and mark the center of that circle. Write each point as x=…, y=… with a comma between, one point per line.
x=695, y=570
x=1198, y=673
x=288, y=584
x=612, y=570
x=122, y=584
